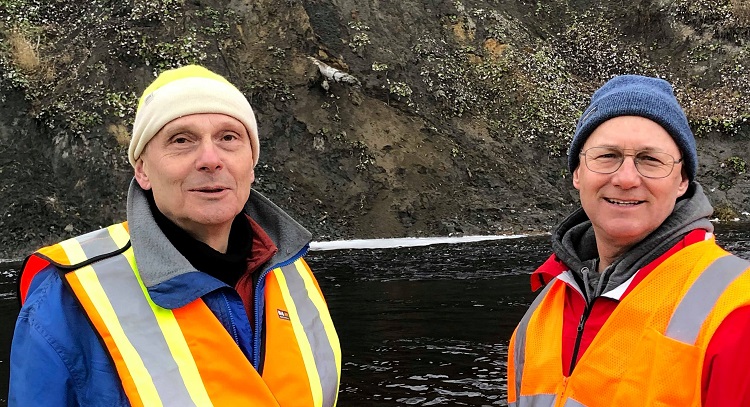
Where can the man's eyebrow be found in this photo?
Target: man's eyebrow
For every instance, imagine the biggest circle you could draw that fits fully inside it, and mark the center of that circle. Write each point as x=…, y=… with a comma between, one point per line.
x=614, y=147
x=173, y=129
x=638, y=149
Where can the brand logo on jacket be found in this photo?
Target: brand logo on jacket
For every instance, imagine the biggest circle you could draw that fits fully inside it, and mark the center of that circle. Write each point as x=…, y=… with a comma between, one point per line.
x=282, y=314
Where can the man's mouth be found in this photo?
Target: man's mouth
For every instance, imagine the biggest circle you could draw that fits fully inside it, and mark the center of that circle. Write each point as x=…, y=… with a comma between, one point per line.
x=620, y=202
x=209, y=189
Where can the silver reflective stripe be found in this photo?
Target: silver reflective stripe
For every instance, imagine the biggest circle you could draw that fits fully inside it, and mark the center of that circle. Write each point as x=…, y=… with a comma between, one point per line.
x=537, y=400
x=573, y=403
x=137, y=320
x=692, y=311
x=325, y=360
x=96, y=243
x=143, y=331
x=543, y=400
x=519, y=354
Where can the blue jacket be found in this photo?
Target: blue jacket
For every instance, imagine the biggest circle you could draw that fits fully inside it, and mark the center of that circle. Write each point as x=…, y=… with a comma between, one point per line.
x=56, y=356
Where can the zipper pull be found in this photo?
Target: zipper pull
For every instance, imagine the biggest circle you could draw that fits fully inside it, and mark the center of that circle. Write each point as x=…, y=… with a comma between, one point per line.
x=581, y=322
x=586, y=291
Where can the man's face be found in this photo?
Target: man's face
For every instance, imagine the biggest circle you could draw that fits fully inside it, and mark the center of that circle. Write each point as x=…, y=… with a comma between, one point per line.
x=200, y=168
x=624, y=207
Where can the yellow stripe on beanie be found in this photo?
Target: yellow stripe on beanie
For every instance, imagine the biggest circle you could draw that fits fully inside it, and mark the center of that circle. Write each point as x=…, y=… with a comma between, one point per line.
x=184, y=91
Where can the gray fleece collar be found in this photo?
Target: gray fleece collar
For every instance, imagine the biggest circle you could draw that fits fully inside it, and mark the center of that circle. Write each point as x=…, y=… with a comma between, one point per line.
x=574, y=243
x=159, y=261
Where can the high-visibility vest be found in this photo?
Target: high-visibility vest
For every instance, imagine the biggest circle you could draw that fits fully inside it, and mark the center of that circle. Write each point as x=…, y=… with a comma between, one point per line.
x=185, y=356
x=649, y=352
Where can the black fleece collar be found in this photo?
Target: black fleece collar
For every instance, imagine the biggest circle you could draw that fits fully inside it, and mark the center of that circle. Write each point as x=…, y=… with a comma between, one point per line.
x=227, y=267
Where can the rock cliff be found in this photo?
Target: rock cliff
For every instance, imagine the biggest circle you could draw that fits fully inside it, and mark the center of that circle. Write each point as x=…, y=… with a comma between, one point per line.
x=377, y=118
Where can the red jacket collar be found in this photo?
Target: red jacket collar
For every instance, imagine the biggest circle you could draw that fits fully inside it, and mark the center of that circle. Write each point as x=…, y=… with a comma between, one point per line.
x=553, y=267
x=550, y=269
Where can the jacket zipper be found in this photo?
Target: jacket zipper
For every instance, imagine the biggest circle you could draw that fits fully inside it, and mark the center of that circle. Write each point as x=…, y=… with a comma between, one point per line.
x=231, y=319
x=579, y=336
x=257, y=337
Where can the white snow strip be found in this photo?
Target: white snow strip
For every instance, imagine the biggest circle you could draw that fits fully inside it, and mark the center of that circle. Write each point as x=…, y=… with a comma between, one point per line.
x=382, y=243
x=403, y=242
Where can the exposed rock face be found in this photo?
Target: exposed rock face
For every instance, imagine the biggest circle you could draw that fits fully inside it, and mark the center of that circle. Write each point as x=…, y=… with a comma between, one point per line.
x=455, y=118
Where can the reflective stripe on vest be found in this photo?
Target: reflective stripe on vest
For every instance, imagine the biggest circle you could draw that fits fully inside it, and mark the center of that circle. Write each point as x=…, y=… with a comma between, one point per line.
x=691, y=312
x=542, y=400
x=519, y=353
x=686, y=323
x=185, y=357
x=56, y=255
x=302, y=305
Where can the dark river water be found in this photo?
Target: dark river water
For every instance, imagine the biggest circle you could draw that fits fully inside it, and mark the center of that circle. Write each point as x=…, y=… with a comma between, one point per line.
x=419, y=326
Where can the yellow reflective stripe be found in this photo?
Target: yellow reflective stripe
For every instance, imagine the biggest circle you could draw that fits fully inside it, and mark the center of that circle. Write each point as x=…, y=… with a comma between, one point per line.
x=180, y=351
x=177, y=344
x=325, y=316
x=304, y=344
x=73, y=250
x=119, y=234
x=172, y=333
x=139, y=373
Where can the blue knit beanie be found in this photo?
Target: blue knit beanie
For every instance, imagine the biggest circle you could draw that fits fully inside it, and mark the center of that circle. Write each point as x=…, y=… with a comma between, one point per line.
x=634, y=95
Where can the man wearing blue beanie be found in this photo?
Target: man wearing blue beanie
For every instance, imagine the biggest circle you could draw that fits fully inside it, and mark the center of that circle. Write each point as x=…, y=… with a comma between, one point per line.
x=640, y=306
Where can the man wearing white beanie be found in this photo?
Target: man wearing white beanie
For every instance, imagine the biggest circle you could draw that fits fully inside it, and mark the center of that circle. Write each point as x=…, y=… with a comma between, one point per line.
x=202, y=298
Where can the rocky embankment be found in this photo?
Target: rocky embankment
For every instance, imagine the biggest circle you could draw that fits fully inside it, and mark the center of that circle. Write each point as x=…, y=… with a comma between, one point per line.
x=454, y=120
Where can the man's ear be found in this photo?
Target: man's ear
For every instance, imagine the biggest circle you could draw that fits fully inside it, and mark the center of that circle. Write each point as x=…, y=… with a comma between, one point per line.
x=684, y=183
x=576, y=180
x=141, y=176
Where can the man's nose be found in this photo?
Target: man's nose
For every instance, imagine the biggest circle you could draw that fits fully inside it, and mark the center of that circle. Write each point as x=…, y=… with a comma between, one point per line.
x=627, y=176
x=209, y=158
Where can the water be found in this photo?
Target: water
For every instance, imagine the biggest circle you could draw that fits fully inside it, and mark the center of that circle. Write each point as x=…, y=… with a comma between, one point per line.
x=419, y=326
x=427, y=326
x=8, y=312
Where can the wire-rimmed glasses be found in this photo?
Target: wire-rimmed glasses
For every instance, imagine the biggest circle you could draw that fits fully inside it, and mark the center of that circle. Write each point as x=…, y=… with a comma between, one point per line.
x=649, y=163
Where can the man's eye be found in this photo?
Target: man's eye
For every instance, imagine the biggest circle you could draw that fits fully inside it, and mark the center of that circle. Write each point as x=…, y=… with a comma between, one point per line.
x=607, y=156
x=651, y=159
x=180, y=140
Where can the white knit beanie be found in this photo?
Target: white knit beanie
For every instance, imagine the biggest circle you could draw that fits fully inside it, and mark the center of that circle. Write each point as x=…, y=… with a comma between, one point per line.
x=184, y=91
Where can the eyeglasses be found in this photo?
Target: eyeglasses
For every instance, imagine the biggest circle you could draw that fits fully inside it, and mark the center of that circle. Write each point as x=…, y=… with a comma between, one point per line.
x=650, y=164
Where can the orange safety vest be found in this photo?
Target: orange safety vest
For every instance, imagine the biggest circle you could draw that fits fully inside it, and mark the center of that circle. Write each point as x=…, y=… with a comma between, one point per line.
x=649, y=352
x=185, y=356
